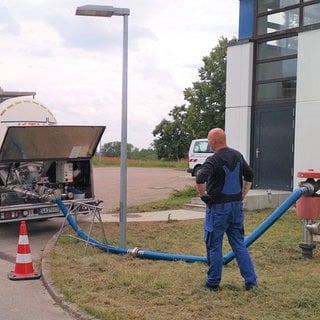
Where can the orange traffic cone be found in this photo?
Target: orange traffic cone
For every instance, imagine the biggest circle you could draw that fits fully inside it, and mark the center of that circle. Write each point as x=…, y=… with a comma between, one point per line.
x=24, y=267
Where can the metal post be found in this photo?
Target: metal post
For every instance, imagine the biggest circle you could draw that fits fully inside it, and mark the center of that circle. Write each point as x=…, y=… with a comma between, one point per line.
x=109, y=11
x=123, y=159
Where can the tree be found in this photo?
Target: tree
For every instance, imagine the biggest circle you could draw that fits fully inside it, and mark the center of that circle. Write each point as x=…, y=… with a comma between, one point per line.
x=205, y=108
x=143, y=154
x=113, y=149
x=172, y=139
x=207, y=96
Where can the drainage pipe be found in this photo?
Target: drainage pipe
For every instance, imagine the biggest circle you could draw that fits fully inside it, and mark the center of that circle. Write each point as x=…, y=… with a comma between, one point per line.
x=264, y=226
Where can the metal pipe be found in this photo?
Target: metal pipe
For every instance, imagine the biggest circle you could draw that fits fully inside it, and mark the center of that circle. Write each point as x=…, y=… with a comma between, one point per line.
x=307, y=245
x=123, y=154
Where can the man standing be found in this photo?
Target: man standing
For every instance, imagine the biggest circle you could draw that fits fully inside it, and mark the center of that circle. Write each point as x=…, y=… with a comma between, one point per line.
x=223, y=181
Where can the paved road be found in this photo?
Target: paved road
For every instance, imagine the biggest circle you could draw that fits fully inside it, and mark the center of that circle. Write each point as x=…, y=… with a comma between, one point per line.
x=26, y=299
x=144, y=184
x=29, y=300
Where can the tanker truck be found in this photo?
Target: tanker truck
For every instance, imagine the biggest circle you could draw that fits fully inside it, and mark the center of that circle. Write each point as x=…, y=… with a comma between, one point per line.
x=41, y=160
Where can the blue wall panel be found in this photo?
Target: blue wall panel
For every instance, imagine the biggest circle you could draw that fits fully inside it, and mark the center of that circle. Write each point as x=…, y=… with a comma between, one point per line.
x=246, y=19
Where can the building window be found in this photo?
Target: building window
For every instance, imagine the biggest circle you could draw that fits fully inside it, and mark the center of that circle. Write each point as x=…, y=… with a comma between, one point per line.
x=275, y=16
x=280, y=90
x=276, y=69
x=278, y=21
x=268, y=5
x=277, y=25
x=277, y=48
x=311, y=14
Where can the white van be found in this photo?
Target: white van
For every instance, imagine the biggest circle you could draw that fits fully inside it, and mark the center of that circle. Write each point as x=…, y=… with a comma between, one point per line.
x=199, y=151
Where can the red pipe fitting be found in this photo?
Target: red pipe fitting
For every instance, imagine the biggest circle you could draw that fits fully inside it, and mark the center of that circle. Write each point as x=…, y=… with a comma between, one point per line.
x=308, y=206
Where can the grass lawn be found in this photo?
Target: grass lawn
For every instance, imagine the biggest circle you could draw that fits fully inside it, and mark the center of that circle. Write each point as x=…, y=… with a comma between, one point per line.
x=119, y=287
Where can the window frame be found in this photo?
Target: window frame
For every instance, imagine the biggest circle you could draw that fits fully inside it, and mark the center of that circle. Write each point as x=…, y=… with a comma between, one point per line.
x=256, y=83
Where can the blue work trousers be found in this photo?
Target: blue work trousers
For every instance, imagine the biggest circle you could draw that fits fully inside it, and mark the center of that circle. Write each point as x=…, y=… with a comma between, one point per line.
x=227, y=218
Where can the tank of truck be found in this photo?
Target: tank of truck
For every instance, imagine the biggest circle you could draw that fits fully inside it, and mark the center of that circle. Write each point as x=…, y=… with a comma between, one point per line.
x=41, y=160
x=23, y=111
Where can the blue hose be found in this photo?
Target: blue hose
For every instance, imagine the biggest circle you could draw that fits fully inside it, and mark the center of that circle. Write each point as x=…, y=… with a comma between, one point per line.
x=264, y=226
x=269, y=221
x=118, y=250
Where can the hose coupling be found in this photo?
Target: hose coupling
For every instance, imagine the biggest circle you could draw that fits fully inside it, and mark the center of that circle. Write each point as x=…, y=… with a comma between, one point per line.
x=135, y=252
x=310, y=189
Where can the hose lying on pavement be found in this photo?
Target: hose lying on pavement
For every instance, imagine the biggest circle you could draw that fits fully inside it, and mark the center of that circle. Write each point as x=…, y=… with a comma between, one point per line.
x=264, y=226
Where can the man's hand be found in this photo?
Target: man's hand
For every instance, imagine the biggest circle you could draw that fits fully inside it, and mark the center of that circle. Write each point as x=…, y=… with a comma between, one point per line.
x=207, y=199
x=245, y=188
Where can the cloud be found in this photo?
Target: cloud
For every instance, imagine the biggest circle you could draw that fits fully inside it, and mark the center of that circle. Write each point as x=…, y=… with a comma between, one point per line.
x=8, y=25
x=74, y=63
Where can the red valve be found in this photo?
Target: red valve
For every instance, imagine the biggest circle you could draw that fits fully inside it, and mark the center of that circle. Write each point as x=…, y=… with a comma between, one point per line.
x=308, y=174
x=308, y=207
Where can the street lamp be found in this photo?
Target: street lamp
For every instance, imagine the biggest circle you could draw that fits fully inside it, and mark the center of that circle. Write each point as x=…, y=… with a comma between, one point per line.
x=109, y=11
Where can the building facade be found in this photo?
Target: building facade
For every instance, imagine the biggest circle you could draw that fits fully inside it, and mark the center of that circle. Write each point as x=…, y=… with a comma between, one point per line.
x=273, y=93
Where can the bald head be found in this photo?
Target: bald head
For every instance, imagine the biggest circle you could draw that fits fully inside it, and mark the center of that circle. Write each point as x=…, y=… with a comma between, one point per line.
x=217, y=139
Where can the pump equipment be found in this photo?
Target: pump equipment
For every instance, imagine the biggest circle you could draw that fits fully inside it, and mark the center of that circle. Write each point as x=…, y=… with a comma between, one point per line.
x=308, y=209
x=40, y=160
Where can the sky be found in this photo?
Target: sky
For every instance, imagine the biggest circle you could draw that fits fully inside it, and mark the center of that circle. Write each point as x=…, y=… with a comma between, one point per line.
x=74, y=63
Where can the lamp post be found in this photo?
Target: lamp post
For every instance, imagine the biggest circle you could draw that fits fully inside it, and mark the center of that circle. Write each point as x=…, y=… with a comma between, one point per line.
x=109, y=11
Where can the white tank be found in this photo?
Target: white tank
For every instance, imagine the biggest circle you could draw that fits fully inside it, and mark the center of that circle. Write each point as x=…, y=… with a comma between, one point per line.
x=23, y=111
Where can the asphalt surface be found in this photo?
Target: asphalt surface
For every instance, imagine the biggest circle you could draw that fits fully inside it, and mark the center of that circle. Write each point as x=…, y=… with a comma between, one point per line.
x=38, y=299
x=144, y=184
x=27, y=299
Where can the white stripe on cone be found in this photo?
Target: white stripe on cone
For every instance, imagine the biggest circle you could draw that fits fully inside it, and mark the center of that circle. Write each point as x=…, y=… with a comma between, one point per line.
x=23, y=258
x=23, y=240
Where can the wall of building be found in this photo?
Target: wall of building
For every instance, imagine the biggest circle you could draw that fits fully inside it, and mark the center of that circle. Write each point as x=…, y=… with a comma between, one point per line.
x=307, y=132
x=239, y=97
x=246, y=16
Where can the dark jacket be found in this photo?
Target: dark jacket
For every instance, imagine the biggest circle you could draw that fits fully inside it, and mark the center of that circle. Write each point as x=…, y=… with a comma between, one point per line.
x=224, y=173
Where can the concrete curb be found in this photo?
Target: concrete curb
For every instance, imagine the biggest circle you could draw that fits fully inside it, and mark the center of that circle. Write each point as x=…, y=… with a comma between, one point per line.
x=166, y=215
x=72, y=309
